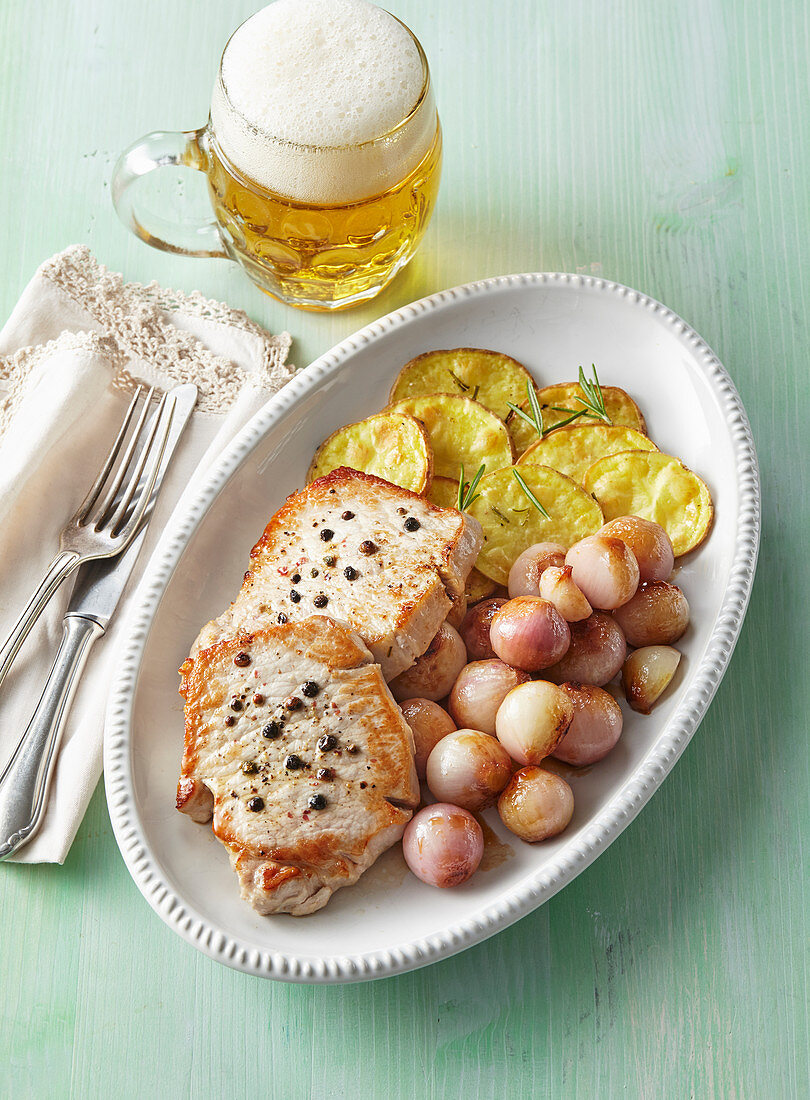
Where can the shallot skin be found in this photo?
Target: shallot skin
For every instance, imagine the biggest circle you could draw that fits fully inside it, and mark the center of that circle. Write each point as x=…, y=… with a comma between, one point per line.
x=475, y=628
x=595, y=727
x=468, y=769
x=429, y=724
x=480, y=689
x=536, y=804
x=529, y=633
x=435, y=671
x=443, y=845
x=596, y=653
x=649, y=542
x=658, y=614
x=527, y=569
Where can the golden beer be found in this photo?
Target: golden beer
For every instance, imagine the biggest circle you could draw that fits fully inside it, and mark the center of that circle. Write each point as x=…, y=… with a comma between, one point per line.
x=322, y=255
x=323, y=149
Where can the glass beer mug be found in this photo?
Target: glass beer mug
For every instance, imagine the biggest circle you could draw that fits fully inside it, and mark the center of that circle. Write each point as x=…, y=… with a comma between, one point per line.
x=322, y=154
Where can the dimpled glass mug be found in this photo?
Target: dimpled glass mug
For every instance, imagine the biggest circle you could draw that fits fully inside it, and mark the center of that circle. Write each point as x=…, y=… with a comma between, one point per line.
x=322, y=154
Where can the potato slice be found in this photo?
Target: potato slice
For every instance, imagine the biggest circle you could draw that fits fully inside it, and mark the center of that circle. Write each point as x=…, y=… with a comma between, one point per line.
x=461, y=432
x=489, y=377
x=619, y=406
x=444, y=492
x=511, y=522
x=654, y=486
x=480, y=587
x=574, y=449
x=391, y=445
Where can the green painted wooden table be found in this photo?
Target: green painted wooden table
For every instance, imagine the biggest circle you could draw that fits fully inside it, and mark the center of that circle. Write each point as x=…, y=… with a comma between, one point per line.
x=663, y=145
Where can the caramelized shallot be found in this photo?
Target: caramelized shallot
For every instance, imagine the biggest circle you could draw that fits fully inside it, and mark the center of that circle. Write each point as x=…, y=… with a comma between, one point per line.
x=480, y=689
x=557, y=586
x=443, y=844
x=469, y=769
x=525, y=574
x=649, y=542
x=595, y=727
x=658, y=614
x=536, y=804
x=596, y=653
x=475, y=628
x=647, y=674
x=605, y=569
x=435, y=671
x=529, y=633
x=429, y=724
x=532, y=720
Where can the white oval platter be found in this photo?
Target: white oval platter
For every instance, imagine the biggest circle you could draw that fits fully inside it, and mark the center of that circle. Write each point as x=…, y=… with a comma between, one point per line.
x=390, y=922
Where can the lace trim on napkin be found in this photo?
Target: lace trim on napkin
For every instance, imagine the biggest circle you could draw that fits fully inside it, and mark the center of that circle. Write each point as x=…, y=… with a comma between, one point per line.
x=17, y=370
x=135, y=326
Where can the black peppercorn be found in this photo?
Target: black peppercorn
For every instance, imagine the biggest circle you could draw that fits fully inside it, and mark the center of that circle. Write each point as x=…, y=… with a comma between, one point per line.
x=352, y=749
x=317, y=802
x=236, y=704
x=325, y=773
x=350, y=573
x=229, y=720
x=327, y=742
x=271, y=731
x=412, y=524
x=310, y=689
x=327, y=535
x=295, y=597
x=368, y=547
x=255, y=804
x=293, y=703
x=313, y=573
x=347, y=515
x=293, y=762
x=296, y=577
x=282, y=618
x=242, y=659
x=330, y=561
x=321, y=600
x=250, y=767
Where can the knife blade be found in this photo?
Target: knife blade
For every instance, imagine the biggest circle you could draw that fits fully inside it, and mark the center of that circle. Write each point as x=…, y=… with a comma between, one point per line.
x=25, y=780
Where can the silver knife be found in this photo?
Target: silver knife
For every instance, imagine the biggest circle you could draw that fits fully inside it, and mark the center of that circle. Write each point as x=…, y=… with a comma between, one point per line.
x=26, y=778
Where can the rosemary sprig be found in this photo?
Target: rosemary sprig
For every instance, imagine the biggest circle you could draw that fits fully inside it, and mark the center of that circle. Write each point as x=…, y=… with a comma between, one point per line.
x=593, y=399
x=466, y=492
x=530, y=495
x=461, y=385
x=535, y=418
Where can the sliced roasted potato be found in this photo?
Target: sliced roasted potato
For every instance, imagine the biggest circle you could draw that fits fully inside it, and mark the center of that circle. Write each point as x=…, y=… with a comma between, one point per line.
x=511, y=522
x=391, y=445
x=654, y=486
x=489, y=377
x=480, y=587
x=461, y=432
x=620, y=407
x=444, y=492
x=572, y=450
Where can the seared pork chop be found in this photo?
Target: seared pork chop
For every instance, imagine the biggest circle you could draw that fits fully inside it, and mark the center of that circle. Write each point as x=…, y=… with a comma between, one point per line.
x=295, y=746
x=382, y=559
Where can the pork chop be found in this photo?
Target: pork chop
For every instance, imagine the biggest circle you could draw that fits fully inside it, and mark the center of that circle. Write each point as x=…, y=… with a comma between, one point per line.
x=295, y=746
x=380, y=558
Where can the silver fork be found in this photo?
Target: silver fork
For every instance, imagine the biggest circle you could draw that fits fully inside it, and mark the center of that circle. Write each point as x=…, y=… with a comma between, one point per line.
x=108, y=517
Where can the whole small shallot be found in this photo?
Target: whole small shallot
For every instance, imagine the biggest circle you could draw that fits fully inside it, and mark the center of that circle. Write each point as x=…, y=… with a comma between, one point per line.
x=528, y=568
x=429, y=724
x=658, y=614
x=595, y=727
x=536, y=804
x=605, y=569
x=480, y=689
x=443, y=844
x=649, y=542
x=532, y=719
x=596, y=653
x=475, y=628
x=435, y=671
x=529, y=633
x=469, y=769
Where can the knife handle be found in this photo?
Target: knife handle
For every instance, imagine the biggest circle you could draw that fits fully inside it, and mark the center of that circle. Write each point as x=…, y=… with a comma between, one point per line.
x=25, y=779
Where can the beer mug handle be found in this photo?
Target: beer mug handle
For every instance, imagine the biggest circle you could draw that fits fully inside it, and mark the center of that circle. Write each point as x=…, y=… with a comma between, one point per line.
x=195, y=236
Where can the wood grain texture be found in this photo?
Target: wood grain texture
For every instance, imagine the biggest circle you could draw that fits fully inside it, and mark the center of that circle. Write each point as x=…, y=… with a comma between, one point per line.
x=662, y=145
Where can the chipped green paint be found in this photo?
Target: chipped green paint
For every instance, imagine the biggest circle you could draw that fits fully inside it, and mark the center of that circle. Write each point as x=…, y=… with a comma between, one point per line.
x=662, y=145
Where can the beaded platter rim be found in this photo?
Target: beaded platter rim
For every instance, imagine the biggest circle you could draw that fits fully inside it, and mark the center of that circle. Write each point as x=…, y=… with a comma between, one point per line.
x=605, y=827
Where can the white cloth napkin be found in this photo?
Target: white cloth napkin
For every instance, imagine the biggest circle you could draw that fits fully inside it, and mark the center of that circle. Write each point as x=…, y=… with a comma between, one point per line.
x=69, y=354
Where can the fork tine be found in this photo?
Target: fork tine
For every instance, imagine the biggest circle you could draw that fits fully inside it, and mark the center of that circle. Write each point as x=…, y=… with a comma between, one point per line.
x=98, y=484
x=143, y=477
x=112, y=490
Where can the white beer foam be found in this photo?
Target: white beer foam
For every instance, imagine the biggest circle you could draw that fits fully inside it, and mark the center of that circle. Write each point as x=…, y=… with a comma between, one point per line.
x=325, y=73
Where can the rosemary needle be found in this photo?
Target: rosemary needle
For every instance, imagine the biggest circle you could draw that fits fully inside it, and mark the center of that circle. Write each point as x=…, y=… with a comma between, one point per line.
x=530, y=495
